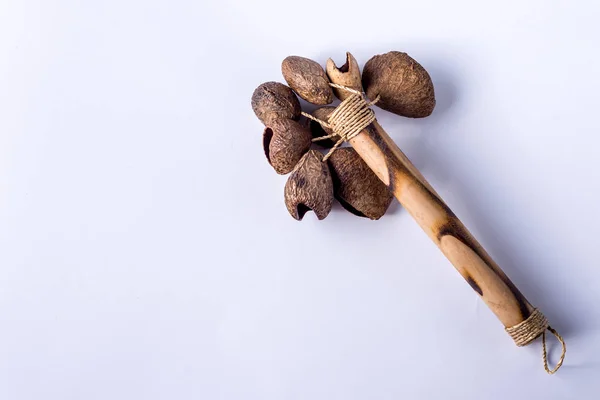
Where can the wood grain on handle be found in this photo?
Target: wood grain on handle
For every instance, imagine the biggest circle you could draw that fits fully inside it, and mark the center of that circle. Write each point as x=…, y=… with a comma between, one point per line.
x=418, y=197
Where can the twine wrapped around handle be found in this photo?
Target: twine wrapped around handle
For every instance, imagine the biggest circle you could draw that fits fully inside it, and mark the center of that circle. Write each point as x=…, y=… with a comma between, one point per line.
x=530, y=329
x=348, y=120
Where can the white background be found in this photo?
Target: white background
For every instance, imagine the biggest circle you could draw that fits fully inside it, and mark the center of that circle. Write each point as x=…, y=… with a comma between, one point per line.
x=145, y=250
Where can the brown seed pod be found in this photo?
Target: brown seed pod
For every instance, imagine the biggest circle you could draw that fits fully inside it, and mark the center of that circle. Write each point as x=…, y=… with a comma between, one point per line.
x=309, y=187
x=285, y=142
x=404, y=87
x=308, y=79
x=318, y=130
x=274, y=100
x=356, y=187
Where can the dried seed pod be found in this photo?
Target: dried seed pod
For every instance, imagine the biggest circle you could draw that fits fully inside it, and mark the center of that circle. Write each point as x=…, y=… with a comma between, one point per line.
x=404, y=87
x=285, y=142
x=347, y=75
x=274, y=100
x=308, y=79
x=318, y=130
x=356, y=187
x=309, y=187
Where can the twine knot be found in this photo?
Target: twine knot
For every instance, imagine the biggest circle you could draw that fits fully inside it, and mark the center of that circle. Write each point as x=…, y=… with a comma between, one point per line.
x=348, y=119
x=527, y=331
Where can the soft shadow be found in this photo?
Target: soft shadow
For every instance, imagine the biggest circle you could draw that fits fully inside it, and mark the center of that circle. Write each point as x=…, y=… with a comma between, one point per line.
x=395, y=208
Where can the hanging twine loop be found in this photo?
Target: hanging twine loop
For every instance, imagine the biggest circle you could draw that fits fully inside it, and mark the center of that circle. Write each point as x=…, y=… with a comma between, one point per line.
x=348, y=119
x=527, y=331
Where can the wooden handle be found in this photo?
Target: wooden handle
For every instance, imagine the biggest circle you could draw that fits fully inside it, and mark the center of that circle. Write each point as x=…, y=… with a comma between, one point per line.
x=443, y=227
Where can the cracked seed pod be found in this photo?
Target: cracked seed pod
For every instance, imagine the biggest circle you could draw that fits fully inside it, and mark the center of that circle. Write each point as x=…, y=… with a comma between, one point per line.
x=356, y=187
x=285, y=142
x=318, y=130
x=274, y=100
x=309, y=187
x=404, y=86
x=308, y=79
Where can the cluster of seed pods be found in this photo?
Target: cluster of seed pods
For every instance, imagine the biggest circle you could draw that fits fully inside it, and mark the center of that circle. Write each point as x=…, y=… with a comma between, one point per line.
x=313, y=183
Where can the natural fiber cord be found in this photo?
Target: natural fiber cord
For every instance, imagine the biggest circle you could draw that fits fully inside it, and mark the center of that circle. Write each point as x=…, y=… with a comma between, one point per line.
x=348, y=119
x=526, y=331
x=535, y=325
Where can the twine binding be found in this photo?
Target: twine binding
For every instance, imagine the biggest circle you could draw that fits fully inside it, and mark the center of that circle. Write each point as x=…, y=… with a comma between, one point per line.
x=348, y=119
x=527, y=331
